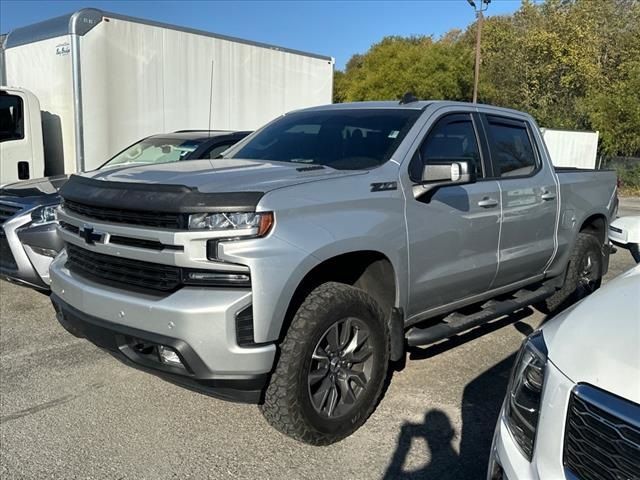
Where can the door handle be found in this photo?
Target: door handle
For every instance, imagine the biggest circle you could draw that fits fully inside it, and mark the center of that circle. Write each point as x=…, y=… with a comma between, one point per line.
x=547, y=195
x=487, y=202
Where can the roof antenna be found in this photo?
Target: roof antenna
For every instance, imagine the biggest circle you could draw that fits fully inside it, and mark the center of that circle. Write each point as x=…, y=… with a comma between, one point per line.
x=210, y=99
x=408, y=98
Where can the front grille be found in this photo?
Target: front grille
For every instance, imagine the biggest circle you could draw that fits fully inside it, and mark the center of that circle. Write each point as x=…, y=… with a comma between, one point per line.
x=123, y=272
x=6, y=257
x=7, y=211
x=132, y=217
x=602, y=438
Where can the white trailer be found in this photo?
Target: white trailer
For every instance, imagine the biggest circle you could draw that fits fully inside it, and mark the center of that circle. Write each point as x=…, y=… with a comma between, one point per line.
x=569, y=148
x=105, y=80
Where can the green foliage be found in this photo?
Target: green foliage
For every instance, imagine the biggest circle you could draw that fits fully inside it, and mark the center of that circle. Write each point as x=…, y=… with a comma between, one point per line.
x=572, y=64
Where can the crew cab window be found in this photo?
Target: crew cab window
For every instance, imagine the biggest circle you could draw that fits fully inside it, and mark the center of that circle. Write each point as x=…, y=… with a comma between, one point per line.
x=344, y=139
x=452, y=139
x=11, y=117
x=217, y=150
x=511, y=149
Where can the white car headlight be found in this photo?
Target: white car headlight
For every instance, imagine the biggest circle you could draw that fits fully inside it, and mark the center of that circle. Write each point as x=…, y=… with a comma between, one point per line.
x=44, y=215
x=258, y=224
x=522, y=405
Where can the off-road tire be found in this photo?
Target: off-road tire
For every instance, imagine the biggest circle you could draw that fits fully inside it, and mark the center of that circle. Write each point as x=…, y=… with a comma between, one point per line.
x=570, y=292
x=287, y=405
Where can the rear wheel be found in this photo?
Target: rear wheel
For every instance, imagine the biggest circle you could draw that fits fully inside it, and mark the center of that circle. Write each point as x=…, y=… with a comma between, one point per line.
x=583, y=277
x=332, y=366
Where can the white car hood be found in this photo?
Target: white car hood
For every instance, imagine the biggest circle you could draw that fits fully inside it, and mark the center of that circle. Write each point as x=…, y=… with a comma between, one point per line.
x=598, y=340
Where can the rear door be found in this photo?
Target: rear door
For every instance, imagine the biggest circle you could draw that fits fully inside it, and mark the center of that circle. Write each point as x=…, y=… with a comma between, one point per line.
x=529, y=199
x=453, y=234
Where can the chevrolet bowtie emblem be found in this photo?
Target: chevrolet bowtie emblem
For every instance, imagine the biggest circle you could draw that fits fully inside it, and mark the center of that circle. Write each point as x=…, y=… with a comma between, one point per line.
x=90, y=235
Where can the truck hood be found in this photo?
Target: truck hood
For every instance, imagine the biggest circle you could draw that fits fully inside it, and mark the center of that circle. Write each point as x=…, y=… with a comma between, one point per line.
x=220, y=175
x=597, y=340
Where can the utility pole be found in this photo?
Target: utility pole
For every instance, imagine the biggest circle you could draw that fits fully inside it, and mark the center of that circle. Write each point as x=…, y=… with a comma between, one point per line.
x=480, y=8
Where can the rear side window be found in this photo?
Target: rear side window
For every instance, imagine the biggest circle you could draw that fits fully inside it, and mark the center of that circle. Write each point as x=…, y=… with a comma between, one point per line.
x=452, y=139
x=11, y=117
x=217, y=150
x=511, y=149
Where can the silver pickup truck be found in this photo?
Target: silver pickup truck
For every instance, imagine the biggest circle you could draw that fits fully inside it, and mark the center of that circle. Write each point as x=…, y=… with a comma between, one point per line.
x=294, y=270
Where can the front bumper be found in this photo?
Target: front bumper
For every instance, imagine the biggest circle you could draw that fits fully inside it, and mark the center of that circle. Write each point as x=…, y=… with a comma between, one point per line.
x=198, y=323
x=548, y=450
x=22, y=245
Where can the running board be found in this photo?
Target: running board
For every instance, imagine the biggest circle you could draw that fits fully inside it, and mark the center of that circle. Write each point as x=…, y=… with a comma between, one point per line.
x=457, y=322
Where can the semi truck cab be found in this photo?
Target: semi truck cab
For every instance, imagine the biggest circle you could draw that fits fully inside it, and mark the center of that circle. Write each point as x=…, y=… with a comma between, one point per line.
x=21, y=143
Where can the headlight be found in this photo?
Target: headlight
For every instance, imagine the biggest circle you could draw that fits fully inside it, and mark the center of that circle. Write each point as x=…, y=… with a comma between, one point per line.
x=258, y=224
x=522, y=407
x=44, y=215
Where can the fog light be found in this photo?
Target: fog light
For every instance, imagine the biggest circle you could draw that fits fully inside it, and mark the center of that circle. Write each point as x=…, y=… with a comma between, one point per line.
x=169, y=356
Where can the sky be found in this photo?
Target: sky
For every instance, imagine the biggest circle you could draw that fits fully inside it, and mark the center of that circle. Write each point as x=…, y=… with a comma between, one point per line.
x=334, y=28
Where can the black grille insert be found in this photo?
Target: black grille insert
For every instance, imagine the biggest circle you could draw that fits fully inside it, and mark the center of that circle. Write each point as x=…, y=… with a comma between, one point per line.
x=132, y=217
x=152, y=277
x=602, y=439
x=7, y=211
x=123, y=271
x=6, y=257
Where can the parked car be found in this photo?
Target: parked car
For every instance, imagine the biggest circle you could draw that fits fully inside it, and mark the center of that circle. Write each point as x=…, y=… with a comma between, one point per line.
x=28, y=237
x=625, y=233
x=572, y=409
x=291, y=271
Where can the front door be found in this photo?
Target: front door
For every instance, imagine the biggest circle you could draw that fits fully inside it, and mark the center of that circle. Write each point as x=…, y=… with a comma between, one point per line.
x=453, y=235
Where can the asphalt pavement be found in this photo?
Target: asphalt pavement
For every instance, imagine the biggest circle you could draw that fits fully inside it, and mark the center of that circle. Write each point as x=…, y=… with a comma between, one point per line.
x=70, y=410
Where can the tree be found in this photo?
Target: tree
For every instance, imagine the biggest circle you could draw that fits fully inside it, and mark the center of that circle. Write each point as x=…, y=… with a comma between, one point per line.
x=570, y=63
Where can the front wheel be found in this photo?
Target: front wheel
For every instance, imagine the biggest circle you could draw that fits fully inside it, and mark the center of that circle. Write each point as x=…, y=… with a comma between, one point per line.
x=332, y=366
x=583, y=277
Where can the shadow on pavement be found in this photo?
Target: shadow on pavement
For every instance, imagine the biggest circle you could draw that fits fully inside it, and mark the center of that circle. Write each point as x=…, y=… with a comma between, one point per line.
x=481, y=403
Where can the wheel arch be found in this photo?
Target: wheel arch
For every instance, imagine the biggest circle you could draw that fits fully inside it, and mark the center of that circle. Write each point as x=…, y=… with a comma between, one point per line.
x=369, y=270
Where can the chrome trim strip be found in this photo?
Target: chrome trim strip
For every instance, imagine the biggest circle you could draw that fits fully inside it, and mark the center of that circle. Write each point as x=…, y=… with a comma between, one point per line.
x=625, y=410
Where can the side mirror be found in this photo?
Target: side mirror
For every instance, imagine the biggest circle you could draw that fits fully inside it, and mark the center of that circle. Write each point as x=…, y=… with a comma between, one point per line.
x=441, y=174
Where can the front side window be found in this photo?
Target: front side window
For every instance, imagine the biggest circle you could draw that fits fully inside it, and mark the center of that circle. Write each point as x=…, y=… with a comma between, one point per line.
x=11, y=117
x=342, y=139
x=511, y=149
x=155, y=150
x=452, y=139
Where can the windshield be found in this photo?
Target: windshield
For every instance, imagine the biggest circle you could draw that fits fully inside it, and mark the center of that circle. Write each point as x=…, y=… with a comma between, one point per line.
x=155, y=150
x=341, y=139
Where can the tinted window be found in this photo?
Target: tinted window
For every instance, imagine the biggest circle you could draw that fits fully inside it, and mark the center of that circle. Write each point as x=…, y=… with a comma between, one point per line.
x=217, y=150
x=155, y=150
x=341, y=139
x=453, y=138
x=511, y=149
x=11, y=118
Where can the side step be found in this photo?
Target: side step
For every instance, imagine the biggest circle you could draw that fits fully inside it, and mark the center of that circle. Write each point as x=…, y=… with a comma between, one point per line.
x=457, y=322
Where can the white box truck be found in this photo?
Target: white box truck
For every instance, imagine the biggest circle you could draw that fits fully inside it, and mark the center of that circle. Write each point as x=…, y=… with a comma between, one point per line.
x=571, y=148
x=105, y=80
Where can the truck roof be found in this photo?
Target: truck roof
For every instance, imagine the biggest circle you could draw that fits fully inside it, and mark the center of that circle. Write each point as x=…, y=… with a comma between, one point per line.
x=416, y=105
x=82, y=21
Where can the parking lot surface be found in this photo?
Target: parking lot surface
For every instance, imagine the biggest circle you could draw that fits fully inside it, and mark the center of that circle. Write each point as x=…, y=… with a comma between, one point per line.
x=70, y=410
